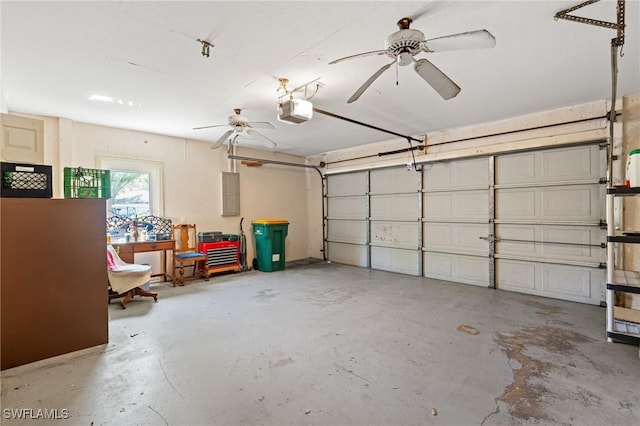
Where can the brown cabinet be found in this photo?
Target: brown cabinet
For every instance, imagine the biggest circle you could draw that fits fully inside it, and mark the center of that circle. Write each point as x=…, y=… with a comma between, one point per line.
x=53, y=278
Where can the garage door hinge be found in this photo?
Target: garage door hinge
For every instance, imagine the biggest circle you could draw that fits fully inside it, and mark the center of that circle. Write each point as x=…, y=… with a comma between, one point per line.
x=603, y=180
x=602, y=266
x=602, y=224
x=614, y=157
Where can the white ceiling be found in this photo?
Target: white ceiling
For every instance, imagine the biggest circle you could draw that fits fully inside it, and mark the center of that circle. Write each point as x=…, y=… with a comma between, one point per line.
x=55, y=55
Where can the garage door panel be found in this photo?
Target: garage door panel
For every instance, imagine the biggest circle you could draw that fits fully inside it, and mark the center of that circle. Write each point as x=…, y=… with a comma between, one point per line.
x=347, y=207
x=438, y=265
x=562, y=203
x=554, y=165
x=574, y=235
x=515, y=275
x=396, y=234
x=348, y=254
x=459, y=268
x=574, y=203
x=515, y=168
x=515, y=203
x=456, y=237
x=461, y=173
x=471, y=204
x=575, y=283
x=570, y=163
x=563, y=280
x=395, y=260
x=581, y=243
x=347, y=231
x=347, y=184
x=437, y=205
x=395, y=206
x=395, y=180
x=472, y=270
x=456, y=205
x=526, y=234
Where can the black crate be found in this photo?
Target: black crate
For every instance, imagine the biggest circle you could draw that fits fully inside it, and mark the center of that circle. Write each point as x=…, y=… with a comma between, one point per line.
x=25, y=180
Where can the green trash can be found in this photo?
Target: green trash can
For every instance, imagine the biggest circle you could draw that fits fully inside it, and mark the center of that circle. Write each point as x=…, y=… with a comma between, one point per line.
x=270, y=235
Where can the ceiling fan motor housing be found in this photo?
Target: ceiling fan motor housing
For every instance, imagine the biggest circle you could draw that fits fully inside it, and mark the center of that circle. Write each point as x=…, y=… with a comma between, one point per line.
x=238, y=120
x=405, y=41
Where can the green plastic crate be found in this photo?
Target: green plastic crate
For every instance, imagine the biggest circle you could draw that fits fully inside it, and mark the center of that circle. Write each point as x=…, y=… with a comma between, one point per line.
x=86, y=183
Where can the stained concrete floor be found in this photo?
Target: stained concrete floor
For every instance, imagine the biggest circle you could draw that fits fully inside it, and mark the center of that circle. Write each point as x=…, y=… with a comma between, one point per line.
x=327, y=344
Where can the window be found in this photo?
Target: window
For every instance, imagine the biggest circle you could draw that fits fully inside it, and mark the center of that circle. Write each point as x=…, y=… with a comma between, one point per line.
x=130, y=193
x=135, y=186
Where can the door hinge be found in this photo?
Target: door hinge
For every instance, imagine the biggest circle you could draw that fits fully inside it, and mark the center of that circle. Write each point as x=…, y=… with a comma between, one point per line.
x=602, y=224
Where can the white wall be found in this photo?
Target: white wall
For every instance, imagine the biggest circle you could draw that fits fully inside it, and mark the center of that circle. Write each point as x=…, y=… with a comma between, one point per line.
x=192, y=178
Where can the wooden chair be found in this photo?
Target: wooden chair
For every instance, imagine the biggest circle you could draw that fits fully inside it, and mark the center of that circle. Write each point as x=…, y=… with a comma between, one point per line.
x=186, y=253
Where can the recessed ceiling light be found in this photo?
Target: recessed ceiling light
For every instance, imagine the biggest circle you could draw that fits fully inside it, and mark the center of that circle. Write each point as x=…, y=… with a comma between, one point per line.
x=101, y=98
x=109, y=99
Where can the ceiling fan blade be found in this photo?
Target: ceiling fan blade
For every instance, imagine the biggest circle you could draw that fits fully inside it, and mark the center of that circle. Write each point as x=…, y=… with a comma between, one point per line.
x=437, y=79
x=470, y=40
x=262, y=138
x=209, y=127
x=261, y=125
x=367, y=83
x=222, y=139
x=429, y=8
x=359, y=55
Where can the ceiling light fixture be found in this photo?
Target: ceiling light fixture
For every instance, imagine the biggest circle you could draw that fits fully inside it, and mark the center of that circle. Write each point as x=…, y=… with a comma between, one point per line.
x=101, y=98
x=110, y=100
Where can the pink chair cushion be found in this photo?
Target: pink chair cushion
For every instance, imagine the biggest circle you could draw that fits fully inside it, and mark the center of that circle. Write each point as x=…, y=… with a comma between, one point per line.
x=111, y=263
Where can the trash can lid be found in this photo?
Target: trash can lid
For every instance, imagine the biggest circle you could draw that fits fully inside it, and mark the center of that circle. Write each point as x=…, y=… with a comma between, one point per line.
x=272, y=221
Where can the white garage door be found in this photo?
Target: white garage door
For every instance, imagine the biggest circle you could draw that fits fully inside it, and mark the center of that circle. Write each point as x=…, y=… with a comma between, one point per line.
x=528, y=222
x=549, y=206
x=456, y=221
x=395, y=220
x=347, y=224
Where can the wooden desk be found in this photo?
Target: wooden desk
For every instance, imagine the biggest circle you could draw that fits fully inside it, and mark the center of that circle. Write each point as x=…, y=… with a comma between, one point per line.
x=126, y=251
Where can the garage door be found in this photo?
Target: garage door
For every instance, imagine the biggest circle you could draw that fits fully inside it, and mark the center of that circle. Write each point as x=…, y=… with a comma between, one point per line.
x=347, y=224
x=529, y=222
x=549, y=206
x=395, y=220
x=456, y=221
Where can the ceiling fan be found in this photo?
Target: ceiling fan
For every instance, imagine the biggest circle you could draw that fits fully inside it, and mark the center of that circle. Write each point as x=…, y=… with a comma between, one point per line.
x=239, y=124
x=405, y=44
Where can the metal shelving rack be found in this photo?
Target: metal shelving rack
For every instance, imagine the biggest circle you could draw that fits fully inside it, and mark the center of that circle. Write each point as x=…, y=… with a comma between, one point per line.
x=618, y=279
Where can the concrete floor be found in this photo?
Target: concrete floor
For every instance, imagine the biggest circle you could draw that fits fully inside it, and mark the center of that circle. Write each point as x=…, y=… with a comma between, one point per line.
x=326, y=344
